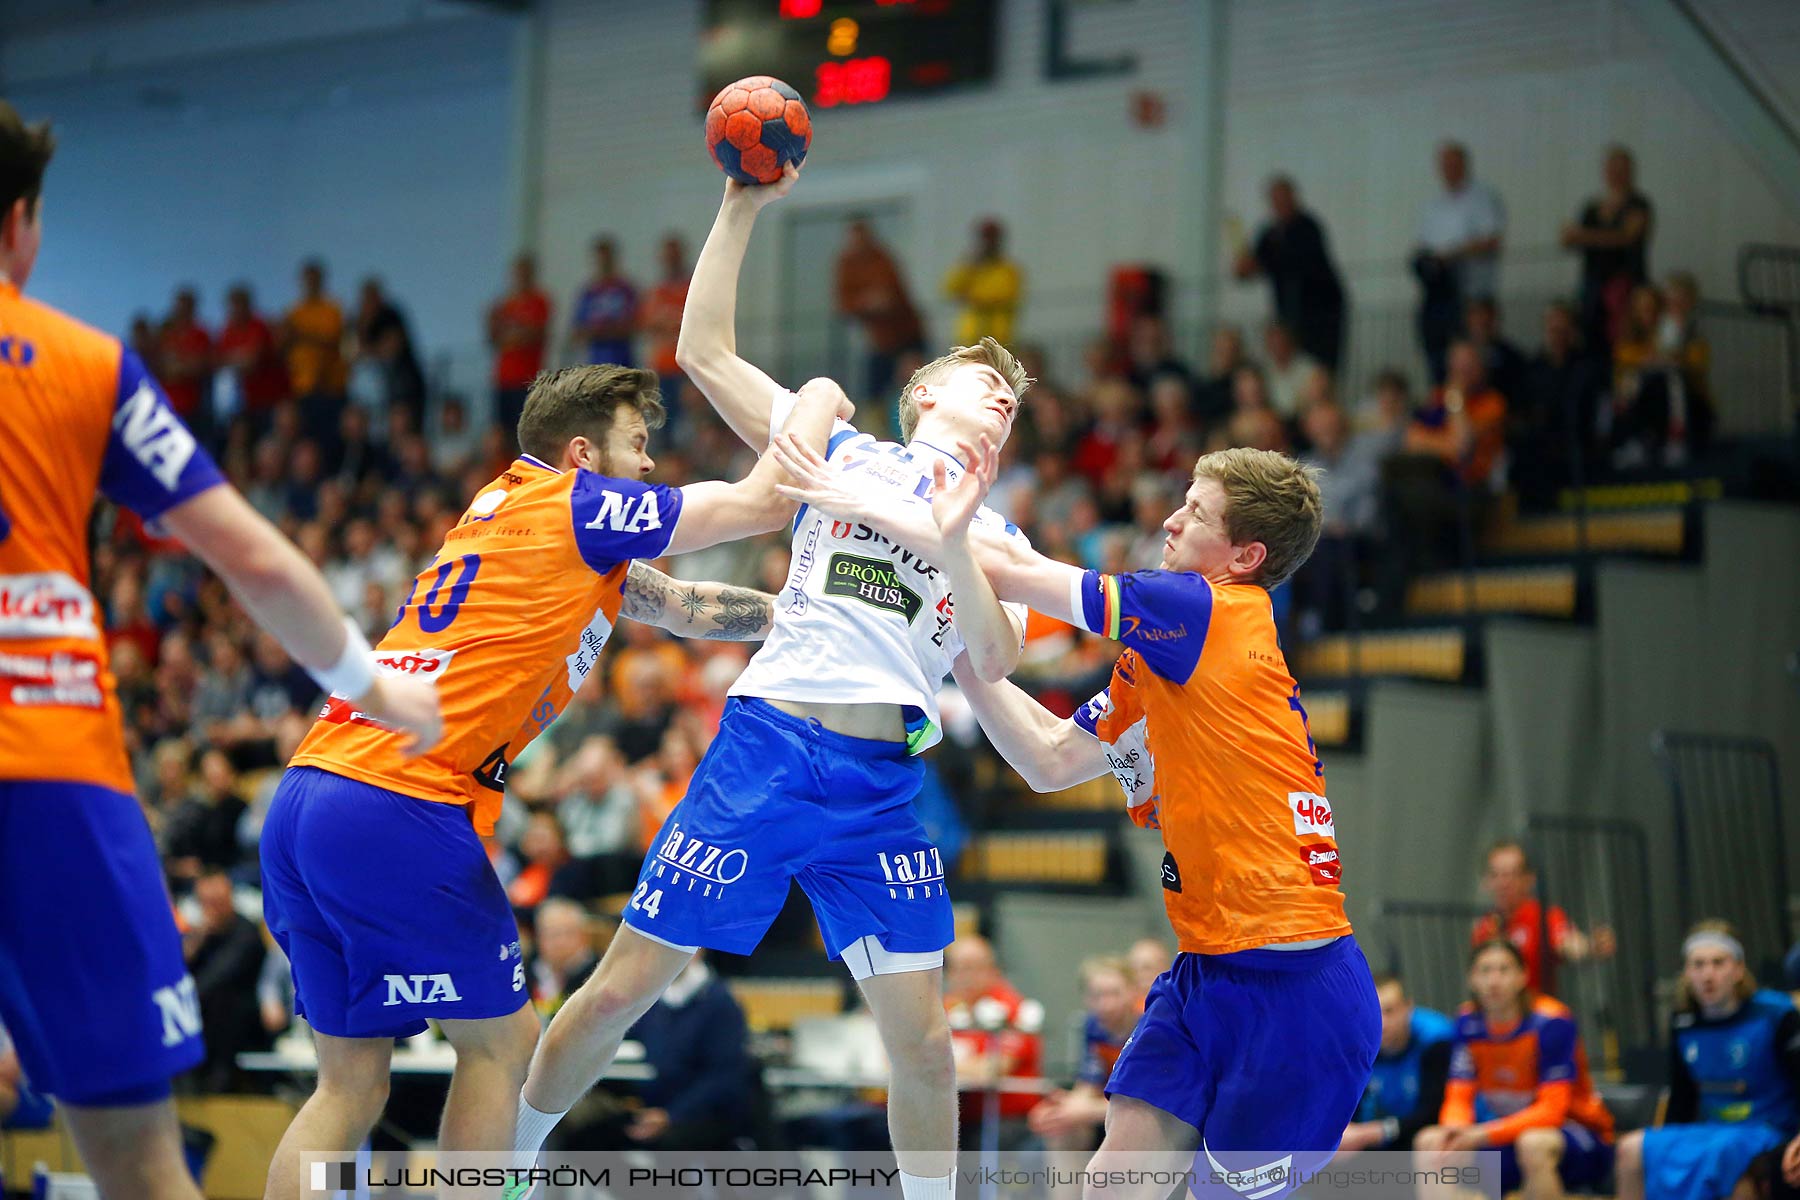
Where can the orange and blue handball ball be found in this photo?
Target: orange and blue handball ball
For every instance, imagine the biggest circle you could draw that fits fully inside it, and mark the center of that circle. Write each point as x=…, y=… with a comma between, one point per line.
x=757, y=126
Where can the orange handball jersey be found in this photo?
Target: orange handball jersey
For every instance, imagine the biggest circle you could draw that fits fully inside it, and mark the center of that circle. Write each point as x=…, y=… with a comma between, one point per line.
x=1236, y=787
x=1533, y=1075
x=508, y=619
x=81, y=418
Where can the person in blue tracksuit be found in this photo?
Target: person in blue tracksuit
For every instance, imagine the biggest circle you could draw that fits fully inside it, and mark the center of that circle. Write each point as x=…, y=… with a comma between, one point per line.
x=1734, y=1090
x=1406, y=1089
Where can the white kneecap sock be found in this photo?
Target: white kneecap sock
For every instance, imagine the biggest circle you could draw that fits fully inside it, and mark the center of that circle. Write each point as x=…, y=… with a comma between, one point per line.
x=533, y=1127
x=928, y=1187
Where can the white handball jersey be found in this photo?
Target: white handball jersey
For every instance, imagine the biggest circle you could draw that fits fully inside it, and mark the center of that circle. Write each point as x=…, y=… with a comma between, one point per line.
x=862, y=620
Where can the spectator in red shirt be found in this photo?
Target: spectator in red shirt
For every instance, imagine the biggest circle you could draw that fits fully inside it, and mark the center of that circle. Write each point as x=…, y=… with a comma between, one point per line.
x=518, y=330
x=1117, y=412
x=1464, y=425
x=545, y=851
x=995, y=1032
x=185, y=358
x=1519, y=918
x=247, y=348
x=128, y=618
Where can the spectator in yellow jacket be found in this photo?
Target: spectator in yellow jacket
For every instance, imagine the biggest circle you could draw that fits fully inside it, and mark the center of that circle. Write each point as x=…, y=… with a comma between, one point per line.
x=990, y=287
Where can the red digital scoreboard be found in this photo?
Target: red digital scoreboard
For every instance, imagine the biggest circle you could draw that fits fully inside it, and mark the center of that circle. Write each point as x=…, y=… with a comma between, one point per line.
x=844, y=53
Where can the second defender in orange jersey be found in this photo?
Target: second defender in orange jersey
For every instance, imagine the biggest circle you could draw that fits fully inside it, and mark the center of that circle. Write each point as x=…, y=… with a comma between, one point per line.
x=1207, y=733
x=375, y=879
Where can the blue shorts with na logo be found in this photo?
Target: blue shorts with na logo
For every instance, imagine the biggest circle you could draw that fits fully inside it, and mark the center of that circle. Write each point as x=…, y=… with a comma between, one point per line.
x=387, y=907
x=93, y=989
x=779, y=798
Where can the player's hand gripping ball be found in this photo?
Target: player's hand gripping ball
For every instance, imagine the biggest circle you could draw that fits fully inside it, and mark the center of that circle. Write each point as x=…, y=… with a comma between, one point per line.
x=757, y=126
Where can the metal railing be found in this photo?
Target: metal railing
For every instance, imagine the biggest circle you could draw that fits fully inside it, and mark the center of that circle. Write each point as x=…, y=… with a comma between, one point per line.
x=1598, y=872
x=1769, y=283
x=1730, y=845
x=1427, y=944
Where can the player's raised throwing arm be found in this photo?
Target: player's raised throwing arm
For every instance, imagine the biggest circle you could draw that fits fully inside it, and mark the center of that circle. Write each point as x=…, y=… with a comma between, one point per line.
x=717, y=611
x=706, y=351
x=1049, y=752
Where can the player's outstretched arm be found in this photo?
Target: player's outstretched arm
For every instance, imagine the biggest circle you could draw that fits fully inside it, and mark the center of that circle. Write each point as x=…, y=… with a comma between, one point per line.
x=717, y=611
x=715, y=512
x=993, y=638
x=286, y=595
x=706, y=351
x=1017, y=572
x=1049, y=752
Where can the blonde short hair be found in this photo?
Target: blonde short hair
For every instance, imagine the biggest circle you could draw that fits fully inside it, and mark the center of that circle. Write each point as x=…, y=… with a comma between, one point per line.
x=1269, y=498
x=1104, y=964
x=987, y=353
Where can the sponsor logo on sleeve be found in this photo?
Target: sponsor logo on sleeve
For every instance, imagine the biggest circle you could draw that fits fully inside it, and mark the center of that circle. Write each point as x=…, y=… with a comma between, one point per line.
x=627, y=514
x=871, y=581
x=154, y=436
x=1171, y=873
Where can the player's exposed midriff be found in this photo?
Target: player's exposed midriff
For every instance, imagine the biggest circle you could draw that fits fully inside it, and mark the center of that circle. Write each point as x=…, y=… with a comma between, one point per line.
x=877, y=722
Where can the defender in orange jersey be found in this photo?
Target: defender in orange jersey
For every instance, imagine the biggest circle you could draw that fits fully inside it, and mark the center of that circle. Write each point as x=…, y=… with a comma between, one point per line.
x=92, y=983
x=1519, y=1084
x=1269, y=987
x=375, y=880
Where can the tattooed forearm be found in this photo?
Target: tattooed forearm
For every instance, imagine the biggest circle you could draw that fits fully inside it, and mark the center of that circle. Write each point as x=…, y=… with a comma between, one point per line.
x=646, y=594
x=736, y=614
x=743, y=616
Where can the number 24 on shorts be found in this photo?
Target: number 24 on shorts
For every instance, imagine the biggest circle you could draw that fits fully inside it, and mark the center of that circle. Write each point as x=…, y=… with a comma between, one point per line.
x=648, y=905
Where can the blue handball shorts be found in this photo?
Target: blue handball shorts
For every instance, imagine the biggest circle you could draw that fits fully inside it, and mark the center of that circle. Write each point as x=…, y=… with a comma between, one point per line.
x=1702, y=1162
x=387, y=907
x=779, y=798
x=92, y=984
x=1265, y=1052
x=1586, y=1162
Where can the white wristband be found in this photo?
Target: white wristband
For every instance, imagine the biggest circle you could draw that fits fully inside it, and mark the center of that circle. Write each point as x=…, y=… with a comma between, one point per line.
x=354, y=672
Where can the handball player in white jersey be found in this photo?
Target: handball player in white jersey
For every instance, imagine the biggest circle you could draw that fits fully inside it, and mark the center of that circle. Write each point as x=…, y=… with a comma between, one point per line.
x=813, y=773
